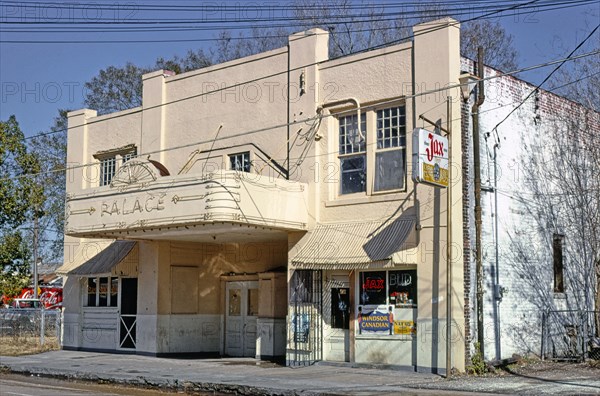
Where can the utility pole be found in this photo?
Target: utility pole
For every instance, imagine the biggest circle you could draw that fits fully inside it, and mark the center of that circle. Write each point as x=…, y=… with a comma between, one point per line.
x=449, y=243
x=477, y=170
x=35, y=258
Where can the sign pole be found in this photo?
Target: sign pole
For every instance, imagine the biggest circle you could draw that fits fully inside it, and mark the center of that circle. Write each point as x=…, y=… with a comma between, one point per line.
x=449, y=244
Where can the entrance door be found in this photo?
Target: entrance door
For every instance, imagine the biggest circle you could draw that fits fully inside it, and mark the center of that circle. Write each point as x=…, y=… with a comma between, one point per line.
x=340, y=323
x=128, y=313
x=241, y=312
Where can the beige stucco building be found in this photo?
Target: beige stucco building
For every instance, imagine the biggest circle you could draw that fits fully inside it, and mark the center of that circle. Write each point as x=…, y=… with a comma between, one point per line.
x=242, y=211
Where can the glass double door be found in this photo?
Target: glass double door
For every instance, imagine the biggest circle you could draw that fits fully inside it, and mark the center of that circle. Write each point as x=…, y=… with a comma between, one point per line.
x=241, y=312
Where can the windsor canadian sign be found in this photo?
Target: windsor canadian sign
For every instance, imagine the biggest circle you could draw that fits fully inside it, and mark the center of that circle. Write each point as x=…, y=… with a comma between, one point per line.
x=430, y=158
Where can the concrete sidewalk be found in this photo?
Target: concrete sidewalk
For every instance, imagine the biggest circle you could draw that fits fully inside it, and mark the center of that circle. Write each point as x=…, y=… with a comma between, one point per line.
x=249, y=377
x=242, y=375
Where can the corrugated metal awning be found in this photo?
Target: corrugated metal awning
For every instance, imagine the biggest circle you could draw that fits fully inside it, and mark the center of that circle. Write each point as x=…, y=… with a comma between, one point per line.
x=101, y=263
x=354, y=245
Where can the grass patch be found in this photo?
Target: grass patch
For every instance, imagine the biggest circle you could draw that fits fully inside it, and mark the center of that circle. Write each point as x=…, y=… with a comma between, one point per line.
x=17, y=346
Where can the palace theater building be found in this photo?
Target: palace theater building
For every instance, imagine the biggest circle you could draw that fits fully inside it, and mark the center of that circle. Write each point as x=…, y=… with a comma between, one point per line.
x=264, y=207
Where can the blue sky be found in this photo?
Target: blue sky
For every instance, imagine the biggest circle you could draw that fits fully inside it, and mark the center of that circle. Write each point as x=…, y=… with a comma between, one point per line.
x=38, y=79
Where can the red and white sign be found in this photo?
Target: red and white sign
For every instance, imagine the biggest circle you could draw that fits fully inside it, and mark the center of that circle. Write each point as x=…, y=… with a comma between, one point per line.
x=430, y=158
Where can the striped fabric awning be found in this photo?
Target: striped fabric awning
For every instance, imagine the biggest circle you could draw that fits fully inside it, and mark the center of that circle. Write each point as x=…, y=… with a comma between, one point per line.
x=97, y=258
x=354, y=245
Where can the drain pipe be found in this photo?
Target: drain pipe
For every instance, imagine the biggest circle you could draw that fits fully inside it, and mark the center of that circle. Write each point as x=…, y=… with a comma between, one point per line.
x=477, y=171
x=342, y=101
x=497, y=287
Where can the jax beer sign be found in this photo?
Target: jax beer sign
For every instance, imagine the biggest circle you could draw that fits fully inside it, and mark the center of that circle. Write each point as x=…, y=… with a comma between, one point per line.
x=430, y=158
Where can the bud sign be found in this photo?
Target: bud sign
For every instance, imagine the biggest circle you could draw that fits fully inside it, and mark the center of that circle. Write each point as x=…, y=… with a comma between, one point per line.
x=430, y=158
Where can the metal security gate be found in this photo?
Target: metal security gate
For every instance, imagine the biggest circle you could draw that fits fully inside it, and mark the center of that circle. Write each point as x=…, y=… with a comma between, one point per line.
x=305, y=329
x=570, y=335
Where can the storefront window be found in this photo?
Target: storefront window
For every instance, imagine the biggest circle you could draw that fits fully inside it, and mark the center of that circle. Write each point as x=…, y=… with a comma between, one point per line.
x=103, y=295
x=402, y=288
x=387, y=303
x=91, y=300
x=114, y=291
x=102, y=292
x=373, y=288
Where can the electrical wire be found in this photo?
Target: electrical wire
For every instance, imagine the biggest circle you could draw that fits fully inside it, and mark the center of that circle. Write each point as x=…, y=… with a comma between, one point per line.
x=521, y=70
x=495, y=128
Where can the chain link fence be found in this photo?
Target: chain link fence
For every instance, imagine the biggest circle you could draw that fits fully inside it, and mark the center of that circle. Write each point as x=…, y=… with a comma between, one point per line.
x=30, y=324
x=570, y=335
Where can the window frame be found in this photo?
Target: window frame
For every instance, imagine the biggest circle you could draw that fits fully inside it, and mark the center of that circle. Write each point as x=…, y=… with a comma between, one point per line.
x=372, y=151
x=401, y=146
x=347, y=150
x=112, y=160
x=558, y=268
x=109, y=292
x=231, y=157
x=388, y=305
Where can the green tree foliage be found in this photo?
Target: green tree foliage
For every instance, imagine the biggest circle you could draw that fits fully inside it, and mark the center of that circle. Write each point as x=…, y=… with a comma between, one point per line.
x=21, y=198
x=120, y=88
x=51, y=151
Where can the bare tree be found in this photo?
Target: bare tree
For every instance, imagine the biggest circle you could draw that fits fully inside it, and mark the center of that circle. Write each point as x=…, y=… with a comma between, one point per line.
x=498, y=45
x=351, y=29
x=563, y=196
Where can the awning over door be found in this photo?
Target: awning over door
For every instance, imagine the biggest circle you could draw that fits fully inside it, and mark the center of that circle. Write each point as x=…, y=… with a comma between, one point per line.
x=354, y=245
x=98, y=258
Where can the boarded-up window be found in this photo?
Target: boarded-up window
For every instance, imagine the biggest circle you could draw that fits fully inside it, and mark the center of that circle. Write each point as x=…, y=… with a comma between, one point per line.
x=184, y=290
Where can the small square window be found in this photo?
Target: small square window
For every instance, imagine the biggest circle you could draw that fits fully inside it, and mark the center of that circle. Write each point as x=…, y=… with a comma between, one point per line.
x=240, y=162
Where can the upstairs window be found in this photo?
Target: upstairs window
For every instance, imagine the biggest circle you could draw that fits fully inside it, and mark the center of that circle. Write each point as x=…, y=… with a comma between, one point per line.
x=373, y=158
x=110, y=160
x=557, y=253
x=131, y=155
x=107, y=170
x=240, y=162
x=353, y=154
x=390, y=155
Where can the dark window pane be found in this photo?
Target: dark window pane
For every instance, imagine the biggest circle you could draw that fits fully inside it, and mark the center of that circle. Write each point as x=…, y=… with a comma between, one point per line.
x=114, y=291
x=103, y=294
x=557, y=247
x=372, y=288
x=402, y=287
x=340, y=308
x=353, y=174
x=91, y=300
x=240, y=162
x=389, y=170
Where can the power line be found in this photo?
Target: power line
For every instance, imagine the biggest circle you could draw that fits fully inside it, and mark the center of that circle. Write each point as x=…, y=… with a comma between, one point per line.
x=545, y=79
x=352, y=111
x=420, y=11
x=525, y=69
x=211, y=28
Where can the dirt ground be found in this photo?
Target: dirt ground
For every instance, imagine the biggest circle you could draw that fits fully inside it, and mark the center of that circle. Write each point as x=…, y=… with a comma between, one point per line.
x=18, y=346
x=531, y=377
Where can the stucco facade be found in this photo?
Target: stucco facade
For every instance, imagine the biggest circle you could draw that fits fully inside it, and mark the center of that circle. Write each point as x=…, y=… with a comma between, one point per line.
x=266, y=221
